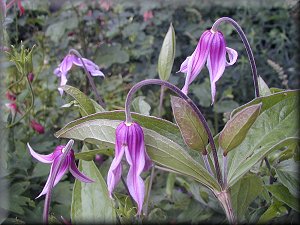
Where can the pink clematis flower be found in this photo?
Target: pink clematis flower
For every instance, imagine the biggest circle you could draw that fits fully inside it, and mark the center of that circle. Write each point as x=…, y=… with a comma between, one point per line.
x=130, y=140
x=212, y=49
x=37, y=127
x=66, y=65
x=54, y=158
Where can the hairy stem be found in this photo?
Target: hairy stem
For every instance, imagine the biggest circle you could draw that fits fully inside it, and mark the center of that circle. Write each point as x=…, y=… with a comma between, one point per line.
x=247, y=47
x=92, y=83
x=177, y=91
x=66, y=150
x=225, y=201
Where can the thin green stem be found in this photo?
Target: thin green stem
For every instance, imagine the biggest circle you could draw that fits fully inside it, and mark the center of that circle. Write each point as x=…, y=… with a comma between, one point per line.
x=149, y=190
x=161, y=100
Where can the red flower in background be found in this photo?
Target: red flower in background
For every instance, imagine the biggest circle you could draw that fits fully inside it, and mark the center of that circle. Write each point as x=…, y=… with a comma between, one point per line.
x=37, y=127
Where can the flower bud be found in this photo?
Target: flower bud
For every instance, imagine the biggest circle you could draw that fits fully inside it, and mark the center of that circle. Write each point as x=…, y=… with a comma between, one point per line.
x=37, y=127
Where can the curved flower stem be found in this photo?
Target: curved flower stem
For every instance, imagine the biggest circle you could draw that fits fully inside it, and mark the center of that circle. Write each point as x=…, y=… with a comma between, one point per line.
x=30, y=107
x=149, y=190
x=247, y=46
x=92, y=83
x=66, y=149
x=177, y=91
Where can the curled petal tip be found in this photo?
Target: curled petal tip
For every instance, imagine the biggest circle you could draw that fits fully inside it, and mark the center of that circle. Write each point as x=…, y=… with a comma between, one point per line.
x=42, y=158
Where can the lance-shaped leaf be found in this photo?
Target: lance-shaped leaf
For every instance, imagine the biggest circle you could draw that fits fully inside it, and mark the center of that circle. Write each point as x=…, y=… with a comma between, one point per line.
x=167, y=55
x=191, y=128
x=237, y=127
x=85, y=103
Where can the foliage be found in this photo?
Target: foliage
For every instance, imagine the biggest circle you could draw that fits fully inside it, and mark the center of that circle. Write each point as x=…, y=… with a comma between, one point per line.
x=125, y=42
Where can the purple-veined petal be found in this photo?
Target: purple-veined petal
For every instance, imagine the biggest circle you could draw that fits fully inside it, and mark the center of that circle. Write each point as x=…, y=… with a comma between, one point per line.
x=198, y=59
x=232, y=56
x=61, y=172
x=42, y=158
x=67, y=63
x=216, y=61
x=135, y=156
x=96, y=73
x=77, y=174
x=115, y=170
x=183, y=67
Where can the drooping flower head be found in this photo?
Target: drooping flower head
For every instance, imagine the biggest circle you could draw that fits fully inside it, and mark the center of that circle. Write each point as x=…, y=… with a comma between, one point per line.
x=67, y=164
x=37, y=127
x=212, y=49
x=130, y=140
x=66, y=65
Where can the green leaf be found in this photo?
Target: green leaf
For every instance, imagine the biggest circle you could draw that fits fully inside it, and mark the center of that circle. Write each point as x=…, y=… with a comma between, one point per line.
x=90, y=201
x=161, y=126
x=237, y=127
x=273, y=129
x=90, y=155
x=167, y=55
x=263, y=87
x=85, y=103
x=288, y=175
x=281, y=193
x=244, y=192
x=191, y=128
x=106, y=55
x=141, y=106
x=161, y=149
x=275, y=210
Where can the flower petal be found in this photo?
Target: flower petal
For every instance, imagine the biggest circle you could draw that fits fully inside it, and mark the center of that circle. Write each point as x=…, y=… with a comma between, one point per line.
x=67, y=63
x=115, y=170
x=42, y=158
x=232, y=55
x=135, y=155
x=216, y=61
x=183, y=67
x=77, y=174
x=65, y=165
x=198, y=58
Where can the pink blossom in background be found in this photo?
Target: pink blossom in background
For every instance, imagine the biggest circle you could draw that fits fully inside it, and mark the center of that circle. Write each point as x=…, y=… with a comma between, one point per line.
x=105, y=4
x=148, y=15
x=37, y=127
x=12, y=2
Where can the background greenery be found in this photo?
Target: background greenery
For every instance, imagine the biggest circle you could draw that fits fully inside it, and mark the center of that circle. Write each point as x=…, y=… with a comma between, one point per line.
x=126, y=46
